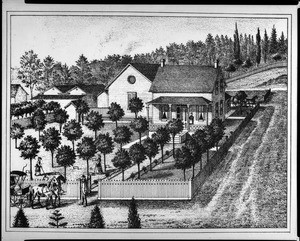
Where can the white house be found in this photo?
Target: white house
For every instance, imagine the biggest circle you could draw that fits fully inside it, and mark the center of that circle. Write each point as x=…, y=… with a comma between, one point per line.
x=17, y=94
x=194, y=94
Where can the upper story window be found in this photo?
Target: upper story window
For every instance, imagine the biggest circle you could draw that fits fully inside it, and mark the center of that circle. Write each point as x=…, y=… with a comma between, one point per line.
x=217, y=87
x=131, y=79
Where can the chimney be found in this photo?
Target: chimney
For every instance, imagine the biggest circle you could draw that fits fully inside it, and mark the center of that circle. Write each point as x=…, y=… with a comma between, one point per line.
x=216, y=64
x=163, y=63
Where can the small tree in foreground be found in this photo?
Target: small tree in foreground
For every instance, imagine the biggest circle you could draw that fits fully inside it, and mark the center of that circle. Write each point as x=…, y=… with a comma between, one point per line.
x=135, y=105
x=73, y=131
x=65, y=157
x=57, y=216
x=86, y=150
x=151, y=149
x=94, y=121
x=21, y=220
x=183, y=159
x=16, y=132
x=137, y=155
x=122, y=135
x=139, y=125
x=39, y=121
x=161, y=137
x=134, y=220
x=115, y=112
x=175, y=126
x=61, y=117
x=121, y=160
x=96, y=220
x=105, y=145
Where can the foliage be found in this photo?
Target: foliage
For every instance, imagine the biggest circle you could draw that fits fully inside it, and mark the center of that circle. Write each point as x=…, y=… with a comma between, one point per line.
x=73, y=131
x=65, y=157
x=230, y=68
x=105, y=145
x=61, y=116
x=121, y=160
x=273, y=48
x=96, y=220
x=81, y=73
x=137, y=155
x=29, y=148
x=196, y=152
x=174, y=126
x=276, y=57
x=135, y=105
x=183, y=159
x=51, y=139
x=39, y=120
x=52, y=106
x=16, y=132
x=247, y=63
x=94, y=121
x=86, y=150
x=20, y=221
x=122, y=135
x=161, y=137
x=140, y=125
x=151, y=149
x=30, y=72
x=134, y=220
x=240, y=97
x=265, y=46
x=115, y=112
x=218, y=129
x=81, y=108
x=47, y=74
x=282, y=46
x=57, y=216
x=258, y=51
x=237, y=50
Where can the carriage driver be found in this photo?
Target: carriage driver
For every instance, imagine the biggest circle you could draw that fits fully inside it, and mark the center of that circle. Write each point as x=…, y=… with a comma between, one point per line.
x=38, y=167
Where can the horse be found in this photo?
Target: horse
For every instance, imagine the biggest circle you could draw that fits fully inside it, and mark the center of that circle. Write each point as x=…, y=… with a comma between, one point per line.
x=51, y=190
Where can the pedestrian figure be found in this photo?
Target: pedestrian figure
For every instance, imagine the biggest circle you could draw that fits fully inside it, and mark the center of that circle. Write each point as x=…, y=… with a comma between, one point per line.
x=83, y=191
x=38, y=167
x=98, y=167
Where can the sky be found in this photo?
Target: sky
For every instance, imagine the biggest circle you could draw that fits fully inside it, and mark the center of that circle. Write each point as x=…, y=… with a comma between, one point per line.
x=65, y=38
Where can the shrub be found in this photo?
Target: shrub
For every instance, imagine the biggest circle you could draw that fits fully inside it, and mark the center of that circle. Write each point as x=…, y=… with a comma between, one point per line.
x=132, y=175
x=21, y=220
x=107, y=174
x=96, y=220
x=144, y=169
x=155, y=161
x=134, y=220
x=167, y=153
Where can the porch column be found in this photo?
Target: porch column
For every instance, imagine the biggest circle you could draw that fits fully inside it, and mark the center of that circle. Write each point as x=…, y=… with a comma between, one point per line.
x=147, y=108
x=188, y=118
x=170, y=111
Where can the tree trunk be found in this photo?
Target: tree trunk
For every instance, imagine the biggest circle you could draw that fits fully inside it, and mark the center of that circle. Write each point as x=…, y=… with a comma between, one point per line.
x=31, y=89
x=31, y=169
x=200, y=161
x=39, y=135
x=60, y=126
x=193, y=170
x=122, y=174
x=121, y=146
x=135, y=113
x=65, y=172
x=16, y=145
x=87, y=168
x=95, y=134
x=162, y=153
x=207, y=155
x=217, y=146
x=104, y=161
x=173, y=137
x=150, y=163
x=139, y=175
x=82, y=118
x=140, y=135
x=52, y=152
x=73, y=144
x=116, y=124
x=184, y=174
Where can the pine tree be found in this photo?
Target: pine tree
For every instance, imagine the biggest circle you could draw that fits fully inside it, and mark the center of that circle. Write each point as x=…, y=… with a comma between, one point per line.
x=258, y=50
x=236, y=47
x=21, y=220
x=57, y=217
x=265, y=46
x=134, y=220
x=282, y=44
x=273, y=41
x=96, y=220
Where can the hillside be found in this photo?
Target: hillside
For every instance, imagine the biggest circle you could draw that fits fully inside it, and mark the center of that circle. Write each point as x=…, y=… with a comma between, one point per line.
x=262, y=80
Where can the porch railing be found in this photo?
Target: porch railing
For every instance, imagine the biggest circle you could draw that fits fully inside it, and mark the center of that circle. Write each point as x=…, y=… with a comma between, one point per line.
x=193, y=127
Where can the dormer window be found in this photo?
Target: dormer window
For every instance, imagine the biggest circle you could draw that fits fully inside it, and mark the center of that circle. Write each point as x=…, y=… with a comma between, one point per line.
x=131, y=79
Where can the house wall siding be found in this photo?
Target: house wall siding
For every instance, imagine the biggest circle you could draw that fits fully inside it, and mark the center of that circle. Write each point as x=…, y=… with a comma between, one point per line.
x=71, y=110
x=102, y=100
x=21, y=96
x=120, y=87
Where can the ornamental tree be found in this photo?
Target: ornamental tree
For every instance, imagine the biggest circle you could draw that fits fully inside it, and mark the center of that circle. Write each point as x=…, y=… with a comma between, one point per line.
x=151, y=149
x=51, y=139
x=135, y=105
x=122, y=135
x=174, y=126
x=52, y=106
x=218, y=130
x=96, y=220
x=134, y=220
x=161, y=137
x=195, y=150
x=94, y=121
x=16, y=132
x=57, y=216
x=61, y=116
x=140, y=125
x=39, y=121
x=29, y=148
x=86, y=150
x=65, y=157
x=20, y=221
x=183, y=159
x=115, y=112
x=209, y=138
x=73, y=131
x=121, y=161
x=137, y=155
x=81, y=108
x=105, y=145
x=200, y=137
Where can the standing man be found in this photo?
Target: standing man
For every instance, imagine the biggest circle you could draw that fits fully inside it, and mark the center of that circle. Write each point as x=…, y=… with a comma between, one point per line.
x=83, y=191
x=38, y=167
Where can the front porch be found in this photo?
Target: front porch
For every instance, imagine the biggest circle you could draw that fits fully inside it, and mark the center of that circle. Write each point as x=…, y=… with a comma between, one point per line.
x=195, y=112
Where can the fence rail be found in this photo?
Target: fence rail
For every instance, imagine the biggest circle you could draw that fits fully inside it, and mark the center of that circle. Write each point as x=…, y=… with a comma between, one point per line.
x=145, y=189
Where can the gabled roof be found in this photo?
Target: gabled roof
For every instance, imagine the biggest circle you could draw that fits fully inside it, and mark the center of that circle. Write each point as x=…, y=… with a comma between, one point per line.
x=184, y=79
x=88, y=89
x=14, y=89
x=148, y=70
x=73, y=102
x=250, y=94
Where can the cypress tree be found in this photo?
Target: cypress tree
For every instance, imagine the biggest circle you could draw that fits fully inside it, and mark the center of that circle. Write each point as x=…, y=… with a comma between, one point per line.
x=96, y=220
x=57, y=217
x=237, y=50
x=273, y=41
x=282, y=44
x=134, y=220
x=21, y=220
x=258, y=50
x=265, y=46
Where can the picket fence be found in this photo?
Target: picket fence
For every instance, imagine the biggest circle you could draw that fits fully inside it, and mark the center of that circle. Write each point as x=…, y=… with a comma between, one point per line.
x=71, y=188
x=145, y=189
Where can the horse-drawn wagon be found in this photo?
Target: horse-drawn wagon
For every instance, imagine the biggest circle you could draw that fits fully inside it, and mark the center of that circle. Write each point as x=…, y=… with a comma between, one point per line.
x=19, y=193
